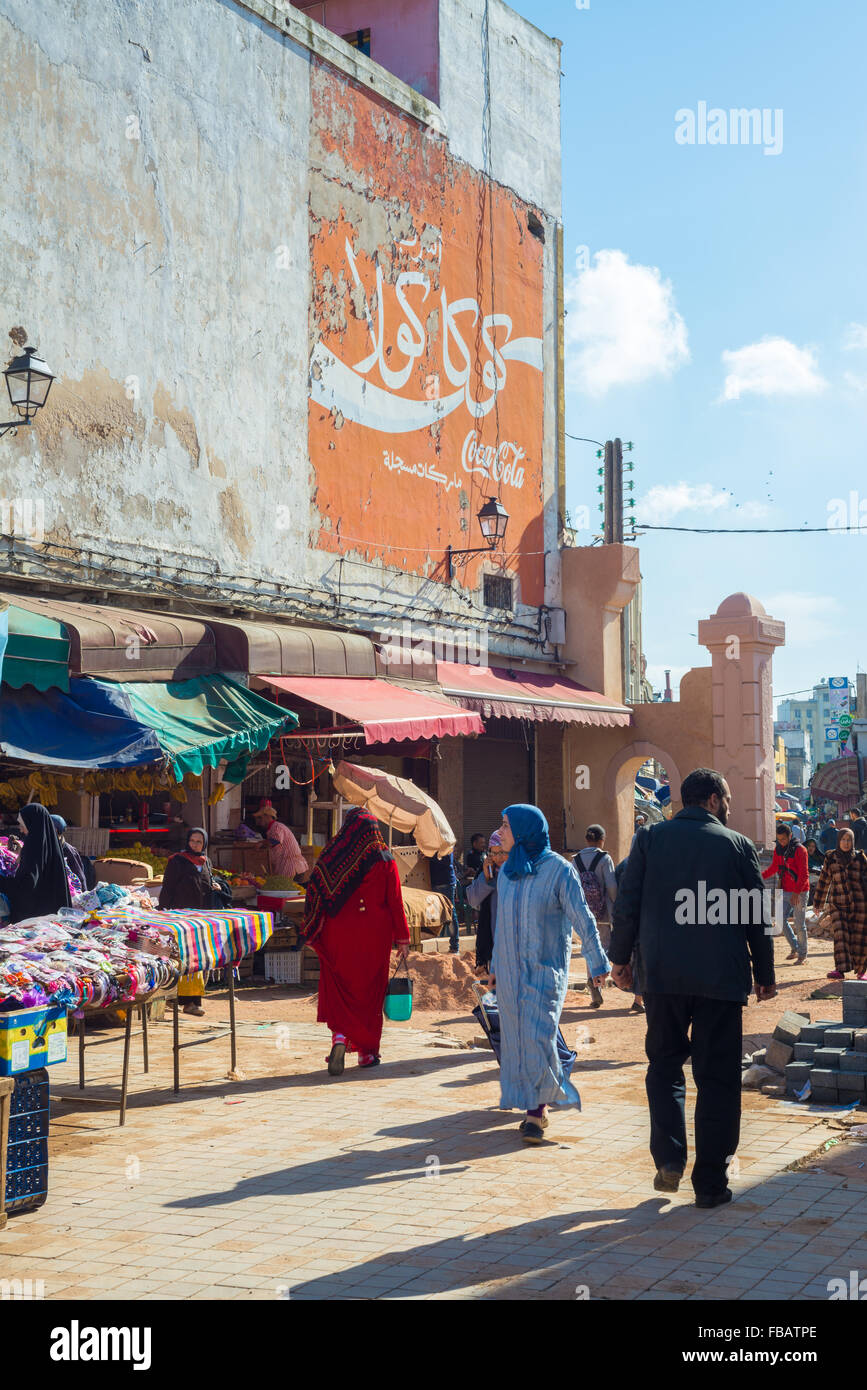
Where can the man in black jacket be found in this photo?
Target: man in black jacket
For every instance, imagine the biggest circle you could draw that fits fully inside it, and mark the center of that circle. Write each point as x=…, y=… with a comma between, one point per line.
x=691, y=899
x=858, y=826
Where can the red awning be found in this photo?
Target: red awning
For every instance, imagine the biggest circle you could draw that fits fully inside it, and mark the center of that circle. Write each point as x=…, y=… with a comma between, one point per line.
x=497, y=692
x=385, y=711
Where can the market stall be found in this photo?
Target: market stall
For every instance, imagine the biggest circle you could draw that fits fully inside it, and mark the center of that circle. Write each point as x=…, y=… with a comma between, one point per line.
x=113, y=950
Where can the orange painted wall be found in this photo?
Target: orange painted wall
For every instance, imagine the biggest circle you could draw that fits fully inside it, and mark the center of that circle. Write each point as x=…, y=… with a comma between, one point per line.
x=409, y=341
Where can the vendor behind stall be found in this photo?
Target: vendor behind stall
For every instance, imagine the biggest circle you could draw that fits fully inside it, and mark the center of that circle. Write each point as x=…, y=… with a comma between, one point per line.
x=284, y=852
x=39, y=885
x=188, y=883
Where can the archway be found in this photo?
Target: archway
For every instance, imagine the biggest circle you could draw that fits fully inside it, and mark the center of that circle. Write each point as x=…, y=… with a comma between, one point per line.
x=620, y=782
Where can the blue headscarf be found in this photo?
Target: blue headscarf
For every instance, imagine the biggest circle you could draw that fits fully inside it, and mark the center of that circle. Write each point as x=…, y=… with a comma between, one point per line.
x=532, y=842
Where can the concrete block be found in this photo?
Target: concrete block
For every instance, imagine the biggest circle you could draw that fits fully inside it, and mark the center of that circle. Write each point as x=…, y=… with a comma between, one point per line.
x=853, y=1061
x=854, y=1016
x=860, y=1039
x=851, y=1083
x=814, y=1033
x=778, y=1054
x=804, y=1052
x=788, y=1030
x=758, y=1058
x=838, y=1037
x=824, y=1078
x=828, y=1056
x=855, y=989
x=797, y=1074
x=823, y=1095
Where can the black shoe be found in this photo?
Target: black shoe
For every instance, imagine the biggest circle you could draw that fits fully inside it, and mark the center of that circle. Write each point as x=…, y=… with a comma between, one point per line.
x=667, y=1179
x=336, y=1059
x=532, y=1133
x=716, y=1199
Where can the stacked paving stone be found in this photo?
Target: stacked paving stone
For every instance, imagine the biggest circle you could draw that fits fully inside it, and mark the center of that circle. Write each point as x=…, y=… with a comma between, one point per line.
x=831, y=1056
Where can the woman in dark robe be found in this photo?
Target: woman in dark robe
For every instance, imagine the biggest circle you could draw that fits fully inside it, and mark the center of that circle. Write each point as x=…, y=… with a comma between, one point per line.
x=188, y=884
x=39, y=886
x=353, y=917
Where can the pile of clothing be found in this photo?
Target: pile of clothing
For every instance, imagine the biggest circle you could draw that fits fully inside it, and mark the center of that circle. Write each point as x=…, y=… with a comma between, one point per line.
x=112, y=895
x=74, y=960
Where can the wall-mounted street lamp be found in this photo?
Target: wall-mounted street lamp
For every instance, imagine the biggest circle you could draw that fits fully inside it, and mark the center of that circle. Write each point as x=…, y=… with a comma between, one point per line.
x=493, y=519
x=28, y=381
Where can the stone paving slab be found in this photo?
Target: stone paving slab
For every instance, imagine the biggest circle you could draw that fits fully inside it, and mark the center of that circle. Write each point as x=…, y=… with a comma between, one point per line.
x=404, y=1182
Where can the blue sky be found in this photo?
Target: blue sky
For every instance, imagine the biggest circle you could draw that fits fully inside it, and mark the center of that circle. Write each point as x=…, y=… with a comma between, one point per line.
x=713, y=249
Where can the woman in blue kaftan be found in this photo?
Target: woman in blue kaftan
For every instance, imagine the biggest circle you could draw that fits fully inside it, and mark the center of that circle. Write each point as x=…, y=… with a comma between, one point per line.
x=541, y=902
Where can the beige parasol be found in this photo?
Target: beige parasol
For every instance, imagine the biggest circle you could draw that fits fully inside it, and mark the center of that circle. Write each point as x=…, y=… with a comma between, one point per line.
x=399, y=803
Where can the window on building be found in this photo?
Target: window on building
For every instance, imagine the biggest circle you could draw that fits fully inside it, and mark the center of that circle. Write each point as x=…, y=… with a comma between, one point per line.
x=360, y=39
x=498, y=591
x=536, y=226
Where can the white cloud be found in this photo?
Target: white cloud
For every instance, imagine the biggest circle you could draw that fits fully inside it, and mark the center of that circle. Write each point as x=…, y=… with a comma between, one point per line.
x=622, y=325
x=808, y=617
x=855, y=382
x=773, y=367
x=668, y=500
x=856, y=337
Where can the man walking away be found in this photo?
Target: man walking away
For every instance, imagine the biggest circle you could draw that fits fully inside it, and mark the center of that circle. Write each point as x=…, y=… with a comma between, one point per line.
x=828, y=837
x=691, y=898
x=859, y=828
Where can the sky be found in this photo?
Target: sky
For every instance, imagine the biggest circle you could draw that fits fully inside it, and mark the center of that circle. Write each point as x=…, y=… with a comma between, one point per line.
x=717, y=306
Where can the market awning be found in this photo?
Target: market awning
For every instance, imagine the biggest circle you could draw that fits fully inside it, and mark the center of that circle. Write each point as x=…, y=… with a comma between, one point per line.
x=838, y=780
x=88, y=727
x=386, y=712
x=497, y=692
x=37, y=652
x=199, y=722
x=117, y=643
x=259, y=647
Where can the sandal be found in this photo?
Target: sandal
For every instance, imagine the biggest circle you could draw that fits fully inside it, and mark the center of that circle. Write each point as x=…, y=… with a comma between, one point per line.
x=335, y=1059
x=836, y=975
x=638, y=1009
x=194, y=1009
x=373, y=1062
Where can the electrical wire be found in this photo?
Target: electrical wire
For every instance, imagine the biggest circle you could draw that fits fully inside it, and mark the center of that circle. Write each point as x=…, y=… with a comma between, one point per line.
x=750, y=530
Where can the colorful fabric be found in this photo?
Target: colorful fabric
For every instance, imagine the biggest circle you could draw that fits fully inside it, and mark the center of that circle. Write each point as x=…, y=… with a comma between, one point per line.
x=340, y=868
x=532, y=841
x=208, y=940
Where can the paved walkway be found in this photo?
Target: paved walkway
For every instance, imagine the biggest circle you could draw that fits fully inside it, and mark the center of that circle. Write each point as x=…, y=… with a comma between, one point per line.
x=405, y=1182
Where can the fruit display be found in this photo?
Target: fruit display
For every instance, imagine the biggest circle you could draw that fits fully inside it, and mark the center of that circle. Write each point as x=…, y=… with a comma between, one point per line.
x=155, y=862
x=280, y=883
x=246, y=881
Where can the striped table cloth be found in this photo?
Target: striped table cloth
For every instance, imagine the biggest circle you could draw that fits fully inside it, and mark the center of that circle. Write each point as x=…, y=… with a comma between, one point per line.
x=206, y=940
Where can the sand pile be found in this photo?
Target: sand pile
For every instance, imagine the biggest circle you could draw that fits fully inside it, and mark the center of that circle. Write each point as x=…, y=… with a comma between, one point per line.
x=442, y=982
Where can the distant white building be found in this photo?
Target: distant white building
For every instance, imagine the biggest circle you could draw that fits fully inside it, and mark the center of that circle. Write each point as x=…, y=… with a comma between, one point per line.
x=813, y=716
x=798, y=744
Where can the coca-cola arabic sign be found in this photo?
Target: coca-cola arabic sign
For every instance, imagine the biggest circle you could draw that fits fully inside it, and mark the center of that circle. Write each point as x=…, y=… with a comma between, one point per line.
x=426, y=361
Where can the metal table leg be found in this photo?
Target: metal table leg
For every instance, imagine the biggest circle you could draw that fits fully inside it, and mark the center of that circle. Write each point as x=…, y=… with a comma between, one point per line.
x=176, y=1052
x=144, y=1033
x=80, y=1026
x=125, y=1076
x=232, y=1016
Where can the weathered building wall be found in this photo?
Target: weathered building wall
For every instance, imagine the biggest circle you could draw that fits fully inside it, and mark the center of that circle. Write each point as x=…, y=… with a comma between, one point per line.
x=155, y=242
x=404, y=34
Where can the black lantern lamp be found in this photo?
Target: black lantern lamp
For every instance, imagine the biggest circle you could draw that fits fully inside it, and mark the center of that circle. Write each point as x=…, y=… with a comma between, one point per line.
x=28, y=381
x=493, y=519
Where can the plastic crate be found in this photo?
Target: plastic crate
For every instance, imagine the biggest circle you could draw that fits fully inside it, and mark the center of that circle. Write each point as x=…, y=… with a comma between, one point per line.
x=283, y=967
x=31, y=1039
x=27, y=1150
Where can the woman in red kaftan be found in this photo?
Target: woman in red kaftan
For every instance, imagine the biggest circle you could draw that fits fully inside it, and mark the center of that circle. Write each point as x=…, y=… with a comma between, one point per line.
x=353, y=917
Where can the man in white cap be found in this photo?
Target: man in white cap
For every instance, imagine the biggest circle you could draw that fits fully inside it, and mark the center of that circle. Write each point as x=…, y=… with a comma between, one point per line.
x=284, y=852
